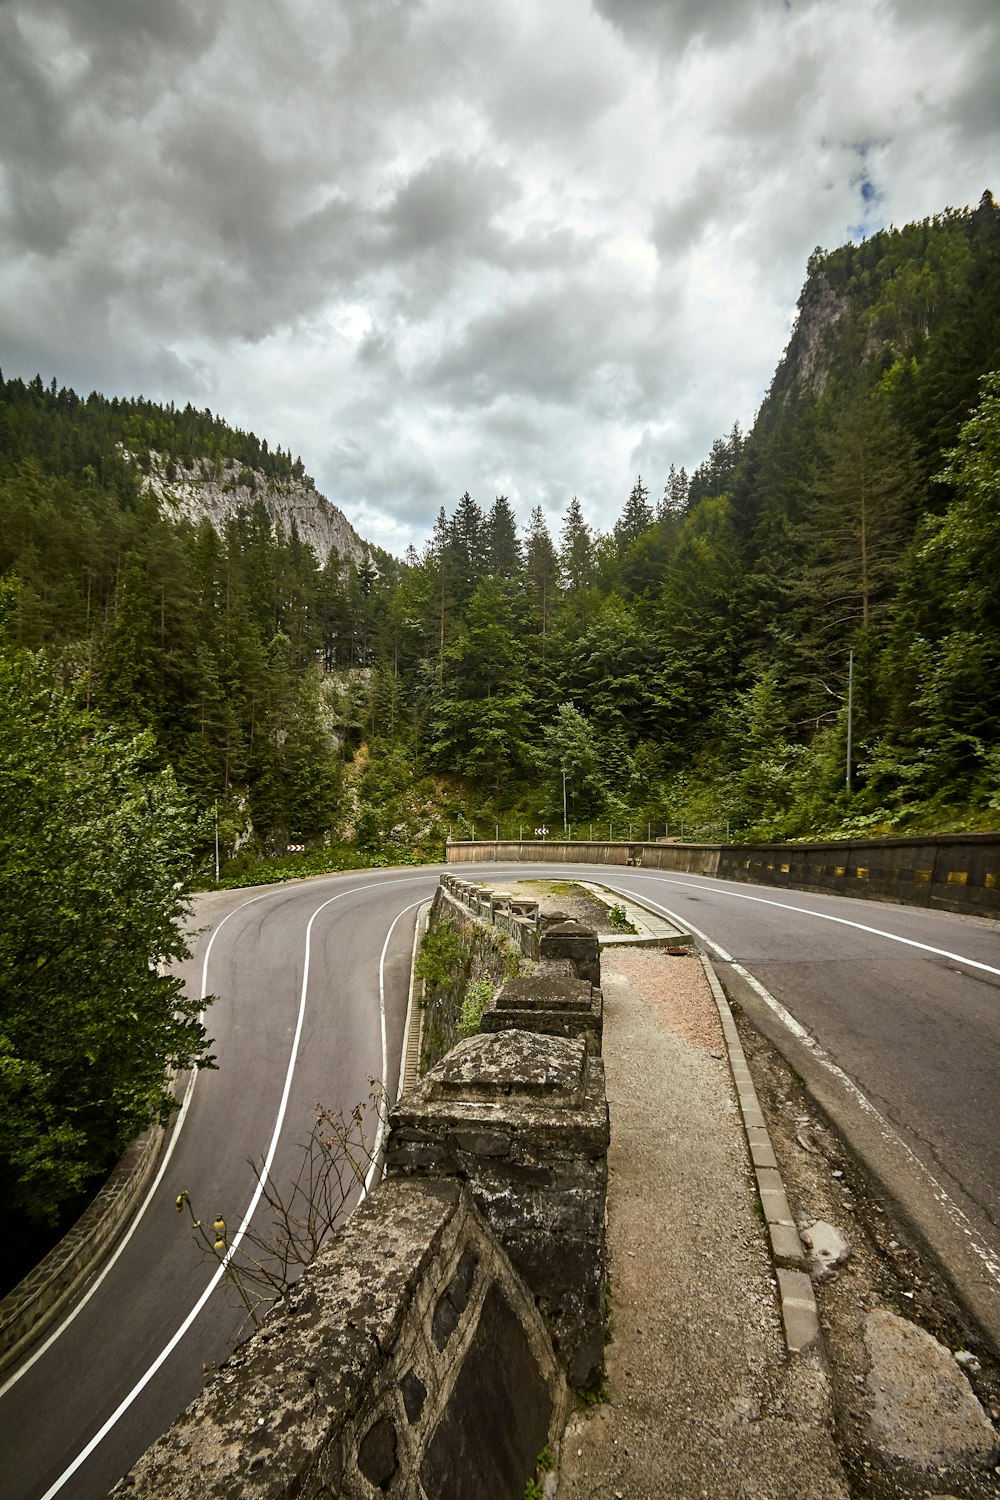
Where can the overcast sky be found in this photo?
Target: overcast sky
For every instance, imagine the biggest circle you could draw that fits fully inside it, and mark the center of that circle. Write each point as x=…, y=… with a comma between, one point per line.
x=530, y=247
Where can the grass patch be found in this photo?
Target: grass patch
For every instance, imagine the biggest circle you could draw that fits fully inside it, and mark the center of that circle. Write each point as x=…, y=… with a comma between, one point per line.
x=548, y=887
x=618, y=919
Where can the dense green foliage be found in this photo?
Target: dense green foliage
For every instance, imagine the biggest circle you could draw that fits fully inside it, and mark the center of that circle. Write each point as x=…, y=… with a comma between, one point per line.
x=94, y=845
x=691, y=665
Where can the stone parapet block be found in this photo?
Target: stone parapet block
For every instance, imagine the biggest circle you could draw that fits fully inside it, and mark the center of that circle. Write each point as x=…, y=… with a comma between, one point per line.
x=572, y=940
x=408, y=1361
x=554, y=1004
x=523, y=1118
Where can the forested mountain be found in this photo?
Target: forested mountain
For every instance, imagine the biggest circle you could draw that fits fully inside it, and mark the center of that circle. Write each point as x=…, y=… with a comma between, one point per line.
x=692, y=664
x=161, y=676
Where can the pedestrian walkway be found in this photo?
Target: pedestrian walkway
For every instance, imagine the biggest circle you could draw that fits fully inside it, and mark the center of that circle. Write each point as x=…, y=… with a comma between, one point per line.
x=705, y=1402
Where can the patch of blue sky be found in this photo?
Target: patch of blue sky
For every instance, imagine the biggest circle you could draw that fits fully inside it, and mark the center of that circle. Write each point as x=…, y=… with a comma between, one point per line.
x=871, y=196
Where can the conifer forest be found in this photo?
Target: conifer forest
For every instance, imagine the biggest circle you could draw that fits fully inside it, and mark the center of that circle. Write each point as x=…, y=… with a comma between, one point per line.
x=162, y=681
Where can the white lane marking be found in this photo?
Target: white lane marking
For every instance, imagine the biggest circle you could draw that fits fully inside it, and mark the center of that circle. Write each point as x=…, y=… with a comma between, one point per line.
x=376, y=1165
x=804, y=911
x=168, y=1349
x=991, y=1263
x=174, y=1137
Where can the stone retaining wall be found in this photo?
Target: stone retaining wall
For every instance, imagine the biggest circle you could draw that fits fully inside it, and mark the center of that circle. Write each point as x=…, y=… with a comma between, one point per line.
x=563, y=998
x=429, y=1352
x=482, y=953
x=36, y=1302
x=410, y=1361
x=523, y=1119
x=952, y=872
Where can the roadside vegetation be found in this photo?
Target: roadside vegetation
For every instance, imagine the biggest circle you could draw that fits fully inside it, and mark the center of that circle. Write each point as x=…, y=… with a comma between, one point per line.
x=687, y=671
x=96, y=844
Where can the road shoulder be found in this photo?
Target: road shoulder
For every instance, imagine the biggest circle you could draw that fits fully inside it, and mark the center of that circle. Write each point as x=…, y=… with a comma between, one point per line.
x=700, y=1384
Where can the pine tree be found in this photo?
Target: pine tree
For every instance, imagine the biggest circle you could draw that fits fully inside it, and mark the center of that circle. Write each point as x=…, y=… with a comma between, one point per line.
x=502, y=549
x=541, y=568
x=636, y=517
x=673, y=501
x=576, y=553
x=467, y=543
x=865, y=498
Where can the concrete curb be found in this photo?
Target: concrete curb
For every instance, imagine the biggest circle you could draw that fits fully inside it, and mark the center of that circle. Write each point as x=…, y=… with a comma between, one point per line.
x=799, y=1312
x=653, y=930
x=35, y=1303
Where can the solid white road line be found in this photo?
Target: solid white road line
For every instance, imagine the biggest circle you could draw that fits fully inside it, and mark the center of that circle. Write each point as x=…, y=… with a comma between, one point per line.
x=409, y=1004
x=376, y=1165
x=823, y=916
x=168, y=1348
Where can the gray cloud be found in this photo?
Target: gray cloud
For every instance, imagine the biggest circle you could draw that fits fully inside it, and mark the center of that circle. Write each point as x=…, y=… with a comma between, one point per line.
x=434, y=246
x=678, y=22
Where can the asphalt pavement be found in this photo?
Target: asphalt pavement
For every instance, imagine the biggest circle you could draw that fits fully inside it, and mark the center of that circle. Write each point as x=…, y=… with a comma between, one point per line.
x=303, y=973
x=892, y=1016
x=892, y=1013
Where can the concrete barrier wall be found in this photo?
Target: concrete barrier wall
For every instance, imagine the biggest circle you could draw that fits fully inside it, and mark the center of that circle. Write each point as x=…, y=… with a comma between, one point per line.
x=952, y=872
x=956, y=872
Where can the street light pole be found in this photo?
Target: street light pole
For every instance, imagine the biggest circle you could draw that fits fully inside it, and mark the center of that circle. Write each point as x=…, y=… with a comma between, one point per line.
x=850, y=713
x=564, y=803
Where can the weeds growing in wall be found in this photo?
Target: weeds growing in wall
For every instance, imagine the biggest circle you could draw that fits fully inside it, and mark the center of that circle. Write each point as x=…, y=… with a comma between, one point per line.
x=461, y=964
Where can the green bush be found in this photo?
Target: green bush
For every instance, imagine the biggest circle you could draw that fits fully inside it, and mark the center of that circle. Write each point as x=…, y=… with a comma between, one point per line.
x=477, y=996
x=441, y=958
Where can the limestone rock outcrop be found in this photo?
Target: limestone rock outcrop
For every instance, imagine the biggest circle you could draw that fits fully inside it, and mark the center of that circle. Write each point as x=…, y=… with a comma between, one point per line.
x=205, y=492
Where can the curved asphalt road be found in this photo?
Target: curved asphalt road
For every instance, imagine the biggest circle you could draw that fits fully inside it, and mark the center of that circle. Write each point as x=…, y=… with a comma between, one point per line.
x=268, y=1008
x=899, y=1039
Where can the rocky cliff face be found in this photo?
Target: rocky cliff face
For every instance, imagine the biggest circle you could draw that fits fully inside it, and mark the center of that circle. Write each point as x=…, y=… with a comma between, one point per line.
x=818, y=335
x=203, y=492
x=817, y=342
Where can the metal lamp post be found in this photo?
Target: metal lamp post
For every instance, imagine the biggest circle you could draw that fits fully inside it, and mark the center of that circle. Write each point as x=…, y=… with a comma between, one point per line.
x=850, y=713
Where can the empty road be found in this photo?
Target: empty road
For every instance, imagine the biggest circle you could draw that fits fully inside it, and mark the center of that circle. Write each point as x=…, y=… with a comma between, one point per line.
x=892, y=1015
x=304, y=975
